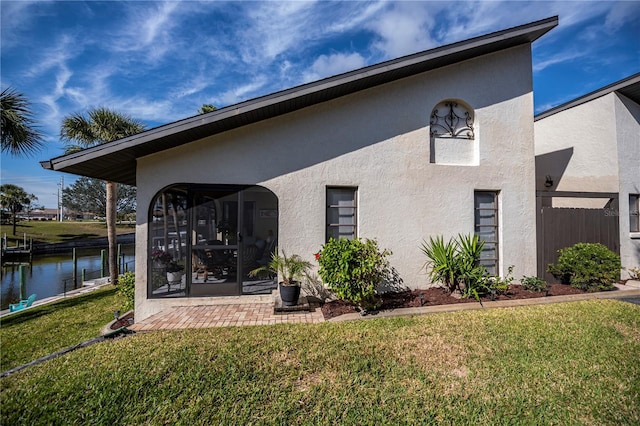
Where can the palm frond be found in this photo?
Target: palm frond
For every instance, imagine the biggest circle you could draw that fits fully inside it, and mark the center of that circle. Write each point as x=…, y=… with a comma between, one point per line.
x=19, y=133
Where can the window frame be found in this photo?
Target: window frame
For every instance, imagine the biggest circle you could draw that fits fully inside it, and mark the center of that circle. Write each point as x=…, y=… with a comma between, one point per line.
x=634, y=215
x=496, y=212
x=329, y=207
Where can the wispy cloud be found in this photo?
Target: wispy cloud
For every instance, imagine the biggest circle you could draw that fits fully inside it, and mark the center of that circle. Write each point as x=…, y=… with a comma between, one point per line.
x=336, y=63
x=146, y=29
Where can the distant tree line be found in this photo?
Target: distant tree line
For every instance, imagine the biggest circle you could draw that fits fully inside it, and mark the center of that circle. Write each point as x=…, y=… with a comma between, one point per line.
x=90, y=195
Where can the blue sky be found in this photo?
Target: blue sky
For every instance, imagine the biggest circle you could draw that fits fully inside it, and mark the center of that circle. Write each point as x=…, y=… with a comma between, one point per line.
x=160, y=61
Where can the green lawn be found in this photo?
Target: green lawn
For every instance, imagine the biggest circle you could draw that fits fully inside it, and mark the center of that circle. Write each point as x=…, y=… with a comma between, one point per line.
x=574, y=363
x=45, y=329
x=56, y=232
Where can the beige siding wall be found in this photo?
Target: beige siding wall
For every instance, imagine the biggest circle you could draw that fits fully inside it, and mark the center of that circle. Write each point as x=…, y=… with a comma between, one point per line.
x=376, y=140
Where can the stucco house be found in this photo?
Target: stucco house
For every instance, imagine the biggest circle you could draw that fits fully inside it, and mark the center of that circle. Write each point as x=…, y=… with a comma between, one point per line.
x=440, y=142
x=588, y=172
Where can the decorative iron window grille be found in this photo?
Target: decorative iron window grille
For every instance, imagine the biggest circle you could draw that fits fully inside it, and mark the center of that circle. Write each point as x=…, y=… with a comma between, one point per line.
x=451, y=121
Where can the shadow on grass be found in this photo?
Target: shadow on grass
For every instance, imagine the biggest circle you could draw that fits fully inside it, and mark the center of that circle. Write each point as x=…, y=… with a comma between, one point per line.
x=73, y=237
x=50, y=308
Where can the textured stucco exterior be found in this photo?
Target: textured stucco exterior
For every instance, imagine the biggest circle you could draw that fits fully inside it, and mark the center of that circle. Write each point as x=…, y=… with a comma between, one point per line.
x=377, y=140
x=594, y=147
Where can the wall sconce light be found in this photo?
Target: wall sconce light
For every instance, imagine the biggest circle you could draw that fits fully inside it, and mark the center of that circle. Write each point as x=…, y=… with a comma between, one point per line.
x=548, y=182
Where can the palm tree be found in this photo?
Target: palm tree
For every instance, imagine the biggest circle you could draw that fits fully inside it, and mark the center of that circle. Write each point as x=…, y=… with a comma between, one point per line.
x=99, y=126
x=19, y=136
x=14, y=199
x=205, y=108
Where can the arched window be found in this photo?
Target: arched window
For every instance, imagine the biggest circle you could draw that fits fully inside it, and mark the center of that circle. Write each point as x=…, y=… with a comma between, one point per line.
x=453, y=134
x=452, y=119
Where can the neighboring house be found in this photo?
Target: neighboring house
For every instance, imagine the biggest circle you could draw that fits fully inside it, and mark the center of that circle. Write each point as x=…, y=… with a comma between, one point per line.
x=40, y=214
x=435, y=143
x=588, y=172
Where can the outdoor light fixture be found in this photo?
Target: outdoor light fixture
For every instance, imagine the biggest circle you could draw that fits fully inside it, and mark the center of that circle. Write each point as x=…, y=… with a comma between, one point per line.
x=548, y=181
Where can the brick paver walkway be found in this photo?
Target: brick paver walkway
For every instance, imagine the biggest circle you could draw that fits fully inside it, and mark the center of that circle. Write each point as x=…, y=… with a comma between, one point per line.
x=222, y=316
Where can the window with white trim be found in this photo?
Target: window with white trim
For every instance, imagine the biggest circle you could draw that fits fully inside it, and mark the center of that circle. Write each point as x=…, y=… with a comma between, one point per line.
x=342, y=213
x=486, y=228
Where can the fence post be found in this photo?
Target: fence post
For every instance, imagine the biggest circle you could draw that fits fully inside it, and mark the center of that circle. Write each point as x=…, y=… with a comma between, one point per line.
x=75, y=269
x=103, y=261
x=23, y=283
x=84, y=275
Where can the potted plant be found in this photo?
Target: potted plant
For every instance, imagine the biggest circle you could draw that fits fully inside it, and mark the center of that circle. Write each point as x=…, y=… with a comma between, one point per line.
x=292, y=269
x=160, y=258
x=174, y=271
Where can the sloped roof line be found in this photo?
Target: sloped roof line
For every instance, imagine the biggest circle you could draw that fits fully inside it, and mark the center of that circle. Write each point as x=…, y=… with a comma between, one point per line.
x=629, y=86
x=122, y=168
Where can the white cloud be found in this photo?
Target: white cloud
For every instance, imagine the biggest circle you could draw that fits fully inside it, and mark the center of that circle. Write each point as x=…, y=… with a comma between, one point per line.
x=559, y=58
x=620, y=14
x=240, y=93
x=146, y=29
x=330, y=65
x=403, y=29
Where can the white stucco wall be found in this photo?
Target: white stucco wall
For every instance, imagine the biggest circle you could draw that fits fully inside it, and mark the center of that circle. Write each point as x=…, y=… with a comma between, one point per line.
x=577, y=148
x=628, y=137
x=594, y=147
x=376, y=140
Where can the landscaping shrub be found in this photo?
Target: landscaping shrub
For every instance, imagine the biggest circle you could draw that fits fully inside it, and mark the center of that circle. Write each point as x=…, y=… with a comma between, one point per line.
x=127, y=289
x=499, y=285
x=587, y=266
x=533, y=284
x=353, y=269
x=456, y=264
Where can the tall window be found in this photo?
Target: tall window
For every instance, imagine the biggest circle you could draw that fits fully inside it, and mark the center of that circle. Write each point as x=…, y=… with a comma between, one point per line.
x=634, y=216
x=486, y=228
x=342, y=216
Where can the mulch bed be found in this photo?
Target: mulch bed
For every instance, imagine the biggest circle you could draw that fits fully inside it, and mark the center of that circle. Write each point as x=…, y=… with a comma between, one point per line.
x=123, y=321
x=439, y=296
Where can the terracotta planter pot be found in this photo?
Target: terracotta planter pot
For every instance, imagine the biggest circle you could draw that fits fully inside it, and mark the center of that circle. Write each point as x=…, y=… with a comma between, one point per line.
x=289, y=294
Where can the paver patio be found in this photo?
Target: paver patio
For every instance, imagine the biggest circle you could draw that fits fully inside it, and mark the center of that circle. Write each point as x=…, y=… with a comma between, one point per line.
x=223, y=316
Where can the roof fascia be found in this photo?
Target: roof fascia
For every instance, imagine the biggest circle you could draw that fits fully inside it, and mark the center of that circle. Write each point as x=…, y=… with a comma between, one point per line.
x=613, y=87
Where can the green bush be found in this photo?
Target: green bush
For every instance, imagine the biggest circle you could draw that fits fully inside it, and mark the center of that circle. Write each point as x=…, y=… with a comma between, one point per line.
x=456, y=264
x=499, y=285
x=533, y=284
x=588, y=266
x=127, y=289
x=353, y=269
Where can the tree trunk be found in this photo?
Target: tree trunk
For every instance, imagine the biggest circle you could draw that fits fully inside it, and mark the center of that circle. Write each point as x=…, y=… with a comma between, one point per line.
x=112, y=194
x=14, y=222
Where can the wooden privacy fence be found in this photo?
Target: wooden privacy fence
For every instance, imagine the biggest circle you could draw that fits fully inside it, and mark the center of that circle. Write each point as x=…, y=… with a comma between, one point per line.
x=563, y=227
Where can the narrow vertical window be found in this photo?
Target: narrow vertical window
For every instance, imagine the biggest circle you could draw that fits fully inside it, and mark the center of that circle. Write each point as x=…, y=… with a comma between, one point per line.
x=486, y=228
x=342, y=216
x=634, y=216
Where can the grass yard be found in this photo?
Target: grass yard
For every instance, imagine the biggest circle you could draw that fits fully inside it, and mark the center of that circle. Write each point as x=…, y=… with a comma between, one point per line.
x=45, y=329
x=574, y=363
x=57, y=232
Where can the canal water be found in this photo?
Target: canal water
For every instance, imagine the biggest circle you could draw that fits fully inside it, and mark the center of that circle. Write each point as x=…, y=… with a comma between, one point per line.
x=49, y=275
